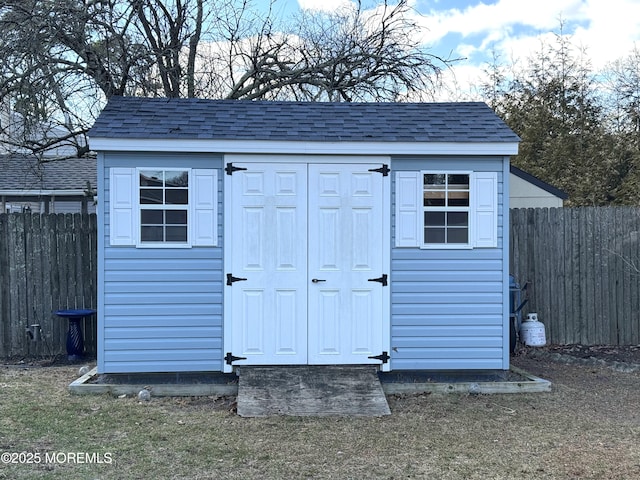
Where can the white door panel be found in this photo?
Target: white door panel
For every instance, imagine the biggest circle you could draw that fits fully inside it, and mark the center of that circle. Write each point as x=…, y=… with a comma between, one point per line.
x=269, y=249
x=345, y=251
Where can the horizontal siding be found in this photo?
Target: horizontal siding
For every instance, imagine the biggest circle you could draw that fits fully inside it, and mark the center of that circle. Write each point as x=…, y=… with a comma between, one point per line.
x=446, y=288
x=453, y=355
x=161, y=299
x=179, y=342
x=469, y=310
x=127, y=332
x=450, y=361
x=170, y=312
x=458, y=333
x=141, y=320
x=448, y=320
x=426, y=296
x=162, y=308
x=447, y=308
x=155, y=312
x=179, y=363
x=446, y=325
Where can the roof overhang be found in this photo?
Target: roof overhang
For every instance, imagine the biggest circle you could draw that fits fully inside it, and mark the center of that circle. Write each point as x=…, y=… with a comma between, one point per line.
x=302, y=147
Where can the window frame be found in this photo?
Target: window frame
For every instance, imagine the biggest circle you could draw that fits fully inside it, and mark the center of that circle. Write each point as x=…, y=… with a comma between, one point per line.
x=138, y=207
x=123, y=220
x=469, y=209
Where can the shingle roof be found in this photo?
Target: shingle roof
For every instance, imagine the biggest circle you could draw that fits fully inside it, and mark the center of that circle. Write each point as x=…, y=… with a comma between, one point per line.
x=188, y=118
x=18, y=172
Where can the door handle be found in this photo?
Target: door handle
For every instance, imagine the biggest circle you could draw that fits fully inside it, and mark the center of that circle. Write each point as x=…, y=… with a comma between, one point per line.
x=317, y=280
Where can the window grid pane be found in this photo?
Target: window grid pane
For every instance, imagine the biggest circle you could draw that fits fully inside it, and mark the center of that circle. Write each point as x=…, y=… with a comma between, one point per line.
x=164, y=201
x=446, y=208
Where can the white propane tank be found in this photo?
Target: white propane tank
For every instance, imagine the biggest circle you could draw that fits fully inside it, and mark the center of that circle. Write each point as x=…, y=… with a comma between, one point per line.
x=532, y=331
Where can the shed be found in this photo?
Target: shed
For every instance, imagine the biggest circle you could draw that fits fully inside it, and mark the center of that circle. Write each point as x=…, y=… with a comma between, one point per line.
x=528, y=191
x=281, y=233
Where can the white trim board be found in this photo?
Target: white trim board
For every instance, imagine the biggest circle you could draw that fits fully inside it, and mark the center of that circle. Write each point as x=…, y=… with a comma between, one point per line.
x=302, y=147
x=306, y=159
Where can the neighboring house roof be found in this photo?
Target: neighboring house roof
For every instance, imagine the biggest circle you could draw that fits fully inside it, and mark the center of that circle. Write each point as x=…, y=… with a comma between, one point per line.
x=539, y=183
x=191, y=119
x=24, y=174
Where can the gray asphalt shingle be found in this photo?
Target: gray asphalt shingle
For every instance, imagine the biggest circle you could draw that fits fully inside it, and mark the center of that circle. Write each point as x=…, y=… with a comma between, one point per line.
x=20, y=172
x=190, y=118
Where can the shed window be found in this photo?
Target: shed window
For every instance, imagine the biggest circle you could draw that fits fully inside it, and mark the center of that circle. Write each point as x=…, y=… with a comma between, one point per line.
x=446, y=203
x=446, y=209
x=164, y=206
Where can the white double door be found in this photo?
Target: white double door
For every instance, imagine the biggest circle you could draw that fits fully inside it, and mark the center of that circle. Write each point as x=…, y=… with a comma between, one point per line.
x=307, y=241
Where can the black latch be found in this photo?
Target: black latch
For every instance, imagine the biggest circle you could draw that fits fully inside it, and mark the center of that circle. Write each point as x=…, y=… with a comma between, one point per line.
x=230, y=169
x=229, y=358
x=384, y=170
x=384, y=358
x=382, y=279
x=231, y=279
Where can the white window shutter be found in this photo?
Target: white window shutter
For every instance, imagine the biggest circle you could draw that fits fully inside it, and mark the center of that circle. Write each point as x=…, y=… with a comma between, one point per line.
x=485, y=209
x=408, y=209
x=123, y=188
x=205, y=207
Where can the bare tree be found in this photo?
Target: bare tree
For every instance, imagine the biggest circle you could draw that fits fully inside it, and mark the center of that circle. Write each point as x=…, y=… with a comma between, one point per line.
x=623, y=77
x=60, y=60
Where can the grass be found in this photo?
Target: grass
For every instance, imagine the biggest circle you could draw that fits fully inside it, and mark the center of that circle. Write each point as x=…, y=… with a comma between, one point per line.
x=588, y=427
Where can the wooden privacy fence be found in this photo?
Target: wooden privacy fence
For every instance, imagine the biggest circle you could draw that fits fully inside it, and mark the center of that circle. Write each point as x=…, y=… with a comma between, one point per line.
x=47, y=263
x=583, y=265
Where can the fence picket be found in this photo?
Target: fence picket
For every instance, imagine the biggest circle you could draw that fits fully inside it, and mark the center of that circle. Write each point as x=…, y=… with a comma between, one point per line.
x=583, y=263
x=46, y=263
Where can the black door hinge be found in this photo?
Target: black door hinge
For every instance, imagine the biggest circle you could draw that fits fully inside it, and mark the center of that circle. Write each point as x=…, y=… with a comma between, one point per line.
x=384, y=358
x=231, y=279
x=230, y=169
x=382, y=280
x=229, y=358
x=384, y=170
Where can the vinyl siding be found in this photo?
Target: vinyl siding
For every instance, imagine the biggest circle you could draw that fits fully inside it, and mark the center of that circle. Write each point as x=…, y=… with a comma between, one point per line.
x=160, y=309
x=447, y=309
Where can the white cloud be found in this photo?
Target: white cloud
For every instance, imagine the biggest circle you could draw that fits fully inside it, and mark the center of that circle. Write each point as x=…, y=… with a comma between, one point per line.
x=516, y=29
x=613, y=28
x=325, y=5
x=607, y=28
x=500, y=17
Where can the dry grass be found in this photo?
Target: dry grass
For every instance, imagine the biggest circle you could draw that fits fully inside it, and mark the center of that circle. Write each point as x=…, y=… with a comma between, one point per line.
x=588, y=427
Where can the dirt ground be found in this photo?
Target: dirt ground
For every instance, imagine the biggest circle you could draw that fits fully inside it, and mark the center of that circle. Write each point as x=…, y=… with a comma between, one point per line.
x=604, y=379
x=626, y=354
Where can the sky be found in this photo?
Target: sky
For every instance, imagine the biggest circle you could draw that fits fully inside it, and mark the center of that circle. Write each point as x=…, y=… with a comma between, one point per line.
x=514, y=29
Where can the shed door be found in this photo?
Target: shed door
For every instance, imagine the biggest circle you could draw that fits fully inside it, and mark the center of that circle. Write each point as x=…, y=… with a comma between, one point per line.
x=268, y=244
x=345, y=319
x=308, y=239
